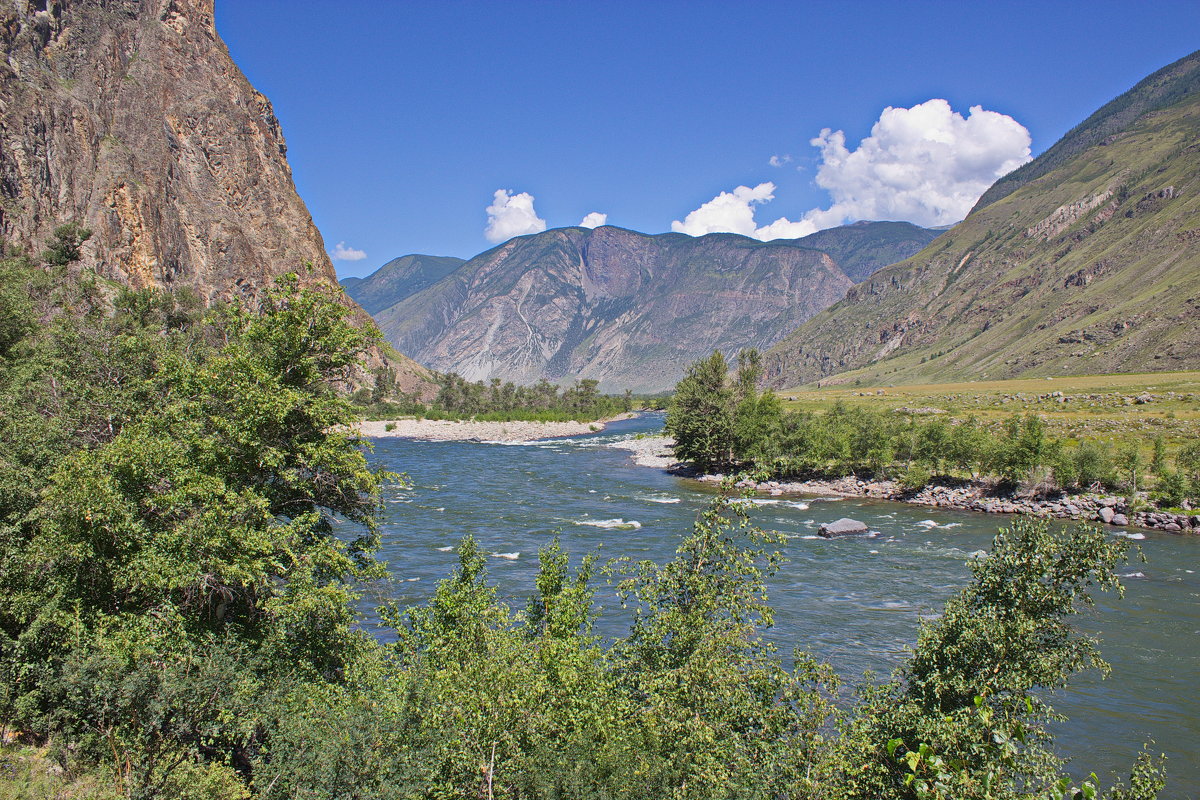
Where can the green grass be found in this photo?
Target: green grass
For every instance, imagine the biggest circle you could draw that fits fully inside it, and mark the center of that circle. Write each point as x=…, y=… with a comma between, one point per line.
x=1090, y=406
x=27, y=773
x=1104, y=294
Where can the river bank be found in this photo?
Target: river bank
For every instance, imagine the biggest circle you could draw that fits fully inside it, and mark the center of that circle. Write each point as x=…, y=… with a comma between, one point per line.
x=978, y=496
x=440, y=430
x=853, y=608
x=986, y=498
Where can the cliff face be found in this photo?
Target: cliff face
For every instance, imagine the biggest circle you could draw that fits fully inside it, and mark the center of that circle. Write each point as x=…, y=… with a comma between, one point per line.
x=625, y=308
x=1092, y=265
x=130, y=117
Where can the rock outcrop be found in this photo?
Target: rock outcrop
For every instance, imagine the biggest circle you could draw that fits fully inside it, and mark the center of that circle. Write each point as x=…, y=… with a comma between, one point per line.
x=130, y=117
x=842, y=527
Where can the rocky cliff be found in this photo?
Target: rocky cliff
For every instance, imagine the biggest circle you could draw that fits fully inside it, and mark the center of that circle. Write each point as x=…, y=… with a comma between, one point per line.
x=1089, y=262
x=628, y=309
x=130, y=117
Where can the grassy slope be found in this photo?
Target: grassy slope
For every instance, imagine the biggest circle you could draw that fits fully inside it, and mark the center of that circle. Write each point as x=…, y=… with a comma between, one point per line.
x=1090, y=406
x=987, y=300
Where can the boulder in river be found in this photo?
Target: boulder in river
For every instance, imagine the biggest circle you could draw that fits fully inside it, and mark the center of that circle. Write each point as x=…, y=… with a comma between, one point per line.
x=843, y=527
x=1106, y=515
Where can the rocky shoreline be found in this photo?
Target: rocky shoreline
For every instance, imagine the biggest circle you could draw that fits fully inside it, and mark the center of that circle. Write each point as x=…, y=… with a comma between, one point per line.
x=967, y=496
x=655, y=451
x=440, y=430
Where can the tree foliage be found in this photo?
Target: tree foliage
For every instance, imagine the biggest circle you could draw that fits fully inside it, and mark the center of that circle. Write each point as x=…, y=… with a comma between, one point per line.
x=186, y=521
x=721, y=423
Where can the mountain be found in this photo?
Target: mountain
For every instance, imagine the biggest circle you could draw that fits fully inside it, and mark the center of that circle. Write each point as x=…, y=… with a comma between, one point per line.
x=1170, y=85
x=130, y=117
x=1087, y=260
x=399, y=278
x=863, y=247
x=628, y=309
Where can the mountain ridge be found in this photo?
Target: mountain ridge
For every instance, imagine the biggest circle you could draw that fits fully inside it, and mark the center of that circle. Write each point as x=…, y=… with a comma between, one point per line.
x=425, y=314
x=399, y=278
x=1090, y=267
x=1161, y=89
x=626, y=308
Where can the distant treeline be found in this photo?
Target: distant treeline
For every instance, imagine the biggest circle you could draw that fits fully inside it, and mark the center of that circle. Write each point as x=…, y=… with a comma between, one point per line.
x=499, y=401
x=722, y=424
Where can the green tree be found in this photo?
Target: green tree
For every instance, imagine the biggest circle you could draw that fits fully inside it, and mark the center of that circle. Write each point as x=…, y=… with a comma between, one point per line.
x=727, y=719
x=1025, y=449
x=965, y=718
x=1158, y=459
x=933, y=445
x=699, y=416
x=172, y=484
x=64, y=245
x=970, y=446
x=1129, y=461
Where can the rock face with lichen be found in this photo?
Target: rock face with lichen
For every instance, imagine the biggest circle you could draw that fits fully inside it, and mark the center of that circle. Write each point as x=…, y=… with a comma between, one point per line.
x=130, y=117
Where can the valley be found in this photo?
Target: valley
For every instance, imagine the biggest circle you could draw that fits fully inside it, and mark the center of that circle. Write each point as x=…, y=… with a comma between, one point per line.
x=858, y=495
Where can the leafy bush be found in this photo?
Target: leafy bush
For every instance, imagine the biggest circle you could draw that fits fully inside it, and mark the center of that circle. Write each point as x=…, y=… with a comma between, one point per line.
x=722, y=424
x=179, y=620
x=1172, y=489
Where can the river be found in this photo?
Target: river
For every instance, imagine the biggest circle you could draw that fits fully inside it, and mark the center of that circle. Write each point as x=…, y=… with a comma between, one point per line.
x=855, y=603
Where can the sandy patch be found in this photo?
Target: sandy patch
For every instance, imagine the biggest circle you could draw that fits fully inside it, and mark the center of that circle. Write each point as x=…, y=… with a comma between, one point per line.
x=650, y=451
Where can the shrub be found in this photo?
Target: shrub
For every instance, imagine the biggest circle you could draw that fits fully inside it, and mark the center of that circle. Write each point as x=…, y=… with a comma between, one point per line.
x=1172, y=489
x=915, y=478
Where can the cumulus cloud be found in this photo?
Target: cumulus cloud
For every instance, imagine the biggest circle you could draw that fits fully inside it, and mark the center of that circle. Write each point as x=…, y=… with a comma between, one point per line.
x=343, y=253
x=728, y=212
x=594, y=220
x=927, y=164
x=779, y=161
x=511, y=215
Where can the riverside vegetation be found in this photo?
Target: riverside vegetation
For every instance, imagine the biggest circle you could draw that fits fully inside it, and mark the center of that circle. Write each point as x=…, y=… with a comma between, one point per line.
x=497, y=401
x=179, y=616
x=721, y=424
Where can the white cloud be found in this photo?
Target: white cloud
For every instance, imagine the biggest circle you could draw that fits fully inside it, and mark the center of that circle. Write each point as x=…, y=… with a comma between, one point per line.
x=733, y=212
x=728, y=212
x=343, y=253
x=926, y=164
x=784, y=228
x=594, y=220
x=779, y=161
x=511, y=215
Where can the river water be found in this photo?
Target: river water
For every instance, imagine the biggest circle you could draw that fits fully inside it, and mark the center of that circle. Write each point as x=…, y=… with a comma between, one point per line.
x=855, y=602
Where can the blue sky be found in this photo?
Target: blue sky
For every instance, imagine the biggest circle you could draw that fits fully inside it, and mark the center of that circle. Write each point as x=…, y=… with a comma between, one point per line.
x=404, y=118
